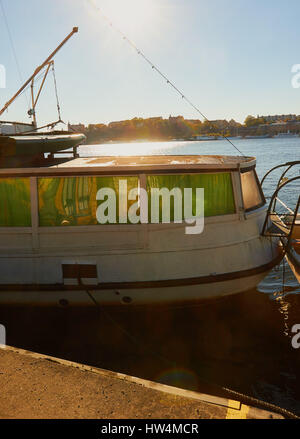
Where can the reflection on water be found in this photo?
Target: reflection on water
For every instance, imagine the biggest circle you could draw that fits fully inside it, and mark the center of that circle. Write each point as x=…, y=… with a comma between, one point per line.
x=242, y=342
x=284, y=310
x=279, y=282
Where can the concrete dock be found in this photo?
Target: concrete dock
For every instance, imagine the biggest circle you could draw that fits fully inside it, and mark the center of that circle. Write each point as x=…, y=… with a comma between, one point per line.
x=35, y=386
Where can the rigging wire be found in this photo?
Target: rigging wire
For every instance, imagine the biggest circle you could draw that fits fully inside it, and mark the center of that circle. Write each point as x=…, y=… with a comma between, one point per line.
x=36, y=81
x=56, y=93
x=153, y=66
x=13, y=48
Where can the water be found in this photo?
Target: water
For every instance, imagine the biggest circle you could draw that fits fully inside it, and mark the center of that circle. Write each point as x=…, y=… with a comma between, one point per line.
x=242, y=342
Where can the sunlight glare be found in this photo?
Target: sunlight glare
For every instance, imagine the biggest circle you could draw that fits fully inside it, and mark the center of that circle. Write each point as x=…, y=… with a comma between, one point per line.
x=131, y=15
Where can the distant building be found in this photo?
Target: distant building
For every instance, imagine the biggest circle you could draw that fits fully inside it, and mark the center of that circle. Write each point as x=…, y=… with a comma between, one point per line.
x=279, y=117
x=278, y=124
x=176, y=118
x=79, y=128
x=117, y=124
x=155, y=119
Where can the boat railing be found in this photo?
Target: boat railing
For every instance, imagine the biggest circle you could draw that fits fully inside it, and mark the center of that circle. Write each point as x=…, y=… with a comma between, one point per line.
x=287, y=165
x=287, y=218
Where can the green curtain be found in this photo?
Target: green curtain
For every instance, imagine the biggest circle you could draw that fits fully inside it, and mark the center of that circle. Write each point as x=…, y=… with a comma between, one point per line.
x=218, y=191
x=71, y=201
x=15, y=204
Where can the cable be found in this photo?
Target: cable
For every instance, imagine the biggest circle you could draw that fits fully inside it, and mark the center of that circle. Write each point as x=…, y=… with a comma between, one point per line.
x=153, y=66
x=56, y=93
x=133, y=339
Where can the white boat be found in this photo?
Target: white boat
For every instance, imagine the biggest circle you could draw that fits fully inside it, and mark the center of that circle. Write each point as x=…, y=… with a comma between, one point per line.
x=286, y=135
x=54, y=250
x=265, y=136
x=205, y=138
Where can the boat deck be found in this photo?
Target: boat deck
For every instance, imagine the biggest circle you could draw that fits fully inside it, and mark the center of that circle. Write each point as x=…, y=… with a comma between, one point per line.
x=171, y=161
x=132, y=165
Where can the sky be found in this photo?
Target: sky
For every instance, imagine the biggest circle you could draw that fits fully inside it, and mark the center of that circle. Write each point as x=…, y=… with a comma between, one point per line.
x=231, y=58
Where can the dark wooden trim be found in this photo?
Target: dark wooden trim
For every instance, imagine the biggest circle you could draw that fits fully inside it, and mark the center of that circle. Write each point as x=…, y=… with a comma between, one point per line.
x=95, y=172
x=151, y=284
x=252, y=209
x=250, y=168
x=79, y=271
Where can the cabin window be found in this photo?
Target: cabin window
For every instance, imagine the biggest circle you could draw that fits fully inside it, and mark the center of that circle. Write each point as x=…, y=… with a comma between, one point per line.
x=218, y=191
x=252, y=194
x=72, y=201
x=15, y=203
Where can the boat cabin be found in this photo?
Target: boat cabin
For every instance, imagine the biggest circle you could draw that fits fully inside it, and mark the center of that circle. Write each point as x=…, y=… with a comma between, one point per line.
x=66, y=194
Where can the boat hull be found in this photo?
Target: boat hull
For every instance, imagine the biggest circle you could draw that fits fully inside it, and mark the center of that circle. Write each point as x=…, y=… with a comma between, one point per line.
x=126, y=296
x=285, y=227
x=136, y=265
x=32, y=145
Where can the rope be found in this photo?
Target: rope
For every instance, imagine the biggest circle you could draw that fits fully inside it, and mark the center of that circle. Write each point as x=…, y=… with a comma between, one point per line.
x=56, y=93
x=246, y=399
x=133, y=339
x=153, y=66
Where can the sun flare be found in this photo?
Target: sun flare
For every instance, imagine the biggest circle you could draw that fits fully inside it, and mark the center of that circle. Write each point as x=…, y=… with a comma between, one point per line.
x=134, y=15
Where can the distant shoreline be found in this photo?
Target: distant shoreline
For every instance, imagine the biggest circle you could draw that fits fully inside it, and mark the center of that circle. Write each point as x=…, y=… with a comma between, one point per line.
x=124, y=141
x=177, y=128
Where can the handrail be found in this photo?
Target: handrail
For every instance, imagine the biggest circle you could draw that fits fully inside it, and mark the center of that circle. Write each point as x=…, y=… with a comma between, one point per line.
x=284, y=205
x=274, y=197
x=289, y=164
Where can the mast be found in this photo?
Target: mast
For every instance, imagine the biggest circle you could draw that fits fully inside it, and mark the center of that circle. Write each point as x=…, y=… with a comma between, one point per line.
x=48, y=62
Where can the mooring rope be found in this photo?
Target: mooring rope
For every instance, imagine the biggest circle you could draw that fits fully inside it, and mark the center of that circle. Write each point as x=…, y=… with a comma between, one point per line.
x=154, y=67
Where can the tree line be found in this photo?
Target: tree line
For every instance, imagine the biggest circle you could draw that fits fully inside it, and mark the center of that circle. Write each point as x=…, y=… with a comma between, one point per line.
x=158, y=128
